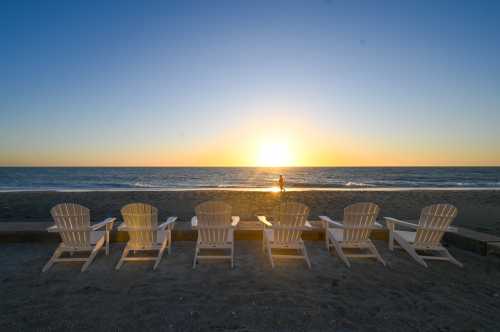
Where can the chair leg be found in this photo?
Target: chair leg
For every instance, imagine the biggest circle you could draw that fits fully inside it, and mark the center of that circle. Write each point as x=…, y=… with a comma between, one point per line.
x=329, y=244
x=122, y=259
x=232, y=255
x=340, y=253
x=57, y=253
x=391, y=240
x=391, y=228
x=306, y=257
x=160, y=254
x=409, y=249
x=91, y=257
x=452, y=259
x=169, y=247
x=325, y=225
x=107, y=243
x=269, y=253
x=374, y=251
x=195, y=256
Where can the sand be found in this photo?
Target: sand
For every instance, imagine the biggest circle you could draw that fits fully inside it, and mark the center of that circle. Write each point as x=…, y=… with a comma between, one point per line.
x=478, y=210
x=252, y=297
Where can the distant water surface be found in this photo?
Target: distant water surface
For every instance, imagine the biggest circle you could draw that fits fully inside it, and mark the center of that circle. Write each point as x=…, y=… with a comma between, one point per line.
x=142, y=178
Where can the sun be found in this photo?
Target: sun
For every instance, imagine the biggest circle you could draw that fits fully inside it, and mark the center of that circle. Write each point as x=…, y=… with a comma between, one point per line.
x=274, y=154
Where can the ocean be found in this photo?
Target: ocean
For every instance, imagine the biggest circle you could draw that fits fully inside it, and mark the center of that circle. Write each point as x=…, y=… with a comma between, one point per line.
x=251, y=178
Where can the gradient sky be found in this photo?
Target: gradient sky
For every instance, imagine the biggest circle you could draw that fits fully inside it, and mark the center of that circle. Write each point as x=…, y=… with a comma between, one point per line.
x=209, y=83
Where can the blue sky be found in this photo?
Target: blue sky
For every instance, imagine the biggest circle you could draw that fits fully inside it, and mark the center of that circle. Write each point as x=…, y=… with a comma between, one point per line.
x=205, y=82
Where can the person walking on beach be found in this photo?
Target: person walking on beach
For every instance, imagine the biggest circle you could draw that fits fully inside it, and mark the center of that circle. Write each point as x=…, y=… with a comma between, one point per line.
x=282, y=183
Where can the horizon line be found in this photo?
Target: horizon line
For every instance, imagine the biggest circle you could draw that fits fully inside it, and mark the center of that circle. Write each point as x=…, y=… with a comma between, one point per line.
x=329, y=166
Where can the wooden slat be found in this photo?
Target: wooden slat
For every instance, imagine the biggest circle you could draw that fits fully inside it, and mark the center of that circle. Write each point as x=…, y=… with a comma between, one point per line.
x=144, y=218
x=434, y=221
x=289, y=216
x=74, y=221
x=214, y=222
x=359, y=220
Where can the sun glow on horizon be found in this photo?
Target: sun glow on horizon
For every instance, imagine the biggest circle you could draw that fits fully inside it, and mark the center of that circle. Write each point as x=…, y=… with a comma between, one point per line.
x=274, y=154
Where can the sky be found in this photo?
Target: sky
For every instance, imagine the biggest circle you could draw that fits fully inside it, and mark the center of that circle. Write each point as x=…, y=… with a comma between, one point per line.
x=249, y=83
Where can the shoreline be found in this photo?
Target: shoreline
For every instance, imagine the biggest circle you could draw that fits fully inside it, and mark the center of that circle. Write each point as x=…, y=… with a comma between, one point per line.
x=251, y=189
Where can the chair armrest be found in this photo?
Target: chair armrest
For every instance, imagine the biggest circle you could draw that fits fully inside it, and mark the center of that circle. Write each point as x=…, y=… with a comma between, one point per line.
x=331, y=222
x=377, y=225
x=194, y=222
x=53, y=229
x=393, y=221
x=263, y=220
x=452, y=229
x=170, y=221
x=103, y=223
x=291, y=228
x=235, y=221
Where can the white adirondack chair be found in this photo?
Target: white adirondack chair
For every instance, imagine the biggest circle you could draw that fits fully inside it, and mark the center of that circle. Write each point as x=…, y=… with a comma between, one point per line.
x=215, y=227
x=354, y=232
x=141, y=222
x=434, y=221
x=285, y=232
x=72, y=222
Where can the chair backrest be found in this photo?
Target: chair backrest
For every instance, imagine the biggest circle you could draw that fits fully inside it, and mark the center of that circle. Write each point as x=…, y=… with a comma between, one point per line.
x=288, y=220
x=73, y=222
x=141, y=221
x=433, y=223
x=214, y=221
x=359, y=219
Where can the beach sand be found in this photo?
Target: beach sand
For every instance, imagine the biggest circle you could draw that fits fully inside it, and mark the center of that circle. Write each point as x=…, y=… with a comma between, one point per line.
x=478, y=210
x=251, y=297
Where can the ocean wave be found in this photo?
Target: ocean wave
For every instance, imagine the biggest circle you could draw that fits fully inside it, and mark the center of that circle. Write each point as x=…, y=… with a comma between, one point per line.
x=142, y=185
x=160, y=178
x=358, y=184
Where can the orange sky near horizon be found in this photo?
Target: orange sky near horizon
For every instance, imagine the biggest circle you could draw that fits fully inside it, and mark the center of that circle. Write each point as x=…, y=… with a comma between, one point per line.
x=293, y=146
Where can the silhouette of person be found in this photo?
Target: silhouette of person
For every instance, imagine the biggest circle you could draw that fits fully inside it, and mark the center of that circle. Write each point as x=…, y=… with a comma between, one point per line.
x=282, y=183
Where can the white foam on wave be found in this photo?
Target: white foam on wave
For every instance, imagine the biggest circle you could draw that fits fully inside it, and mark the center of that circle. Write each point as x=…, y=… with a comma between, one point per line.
x=142, y=185
x=358, y=184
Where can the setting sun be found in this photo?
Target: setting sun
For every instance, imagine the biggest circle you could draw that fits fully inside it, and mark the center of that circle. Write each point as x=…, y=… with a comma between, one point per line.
x=274, y=155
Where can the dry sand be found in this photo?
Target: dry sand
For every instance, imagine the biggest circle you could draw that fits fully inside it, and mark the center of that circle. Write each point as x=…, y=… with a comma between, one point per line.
x=478, y=210
x=252, y=297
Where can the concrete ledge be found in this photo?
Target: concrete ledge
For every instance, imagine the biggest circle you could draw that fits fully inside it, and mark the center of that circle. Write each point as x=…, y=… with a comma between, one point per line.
x=494, y=248
x=27, y=232
x=248, y=230
x=470, y=240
